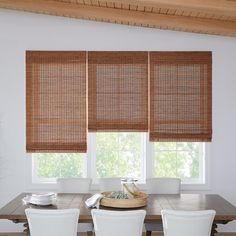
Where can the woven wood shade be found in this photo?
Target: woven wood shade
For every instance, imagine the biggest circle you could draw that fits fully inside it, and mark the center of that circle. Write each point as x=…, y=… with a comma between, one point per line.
x=56, y=101
x=180, y=96
x=118, y=91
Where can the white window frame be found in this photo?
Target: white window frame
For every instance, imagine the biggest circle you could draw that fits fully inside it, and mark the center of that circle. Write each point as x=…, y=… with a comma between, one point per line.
x=33, y=182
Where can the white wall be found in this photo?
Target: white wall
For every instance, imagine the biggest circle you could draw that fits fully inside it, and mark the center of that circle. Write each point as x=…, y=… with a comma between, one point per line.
x=24, y=31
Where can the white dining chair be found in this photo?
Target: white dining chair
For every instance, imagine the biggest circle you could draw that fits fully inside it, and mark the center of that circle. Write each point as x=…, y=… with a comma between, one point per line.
x=161, y=186
x=76, y=185
x=109, y=184
x=118, y=223
x=190, y=223
x=52, y=222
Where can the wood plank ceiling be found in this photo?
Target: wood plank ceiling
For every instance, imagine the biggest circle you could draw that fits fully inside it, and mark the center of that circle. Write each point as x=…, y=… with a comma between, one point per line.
x=216, y=17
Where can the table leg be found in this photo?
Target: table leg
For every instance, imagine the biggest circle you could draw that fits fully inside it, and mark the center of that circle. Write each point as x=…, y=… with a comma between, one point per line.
x=148, y=233
x=26, y=228
x=25, y=225
x=214, y=226
x=89, y=233
x=214, y=229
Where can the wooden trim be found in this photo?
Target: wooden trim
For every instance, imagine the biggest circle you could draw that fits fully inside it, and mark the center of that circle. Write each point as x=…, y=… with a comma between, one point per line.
x=221, y=7
x=122, y=16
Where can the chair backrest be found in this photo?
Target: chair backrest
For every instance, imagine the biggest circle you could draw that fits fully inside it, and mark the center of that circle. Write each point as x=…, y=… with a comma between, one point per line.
x=190, y=223
x=74, y=185
x=117, y=223
x=163, y=185
x=52, y=222
x=110, y=184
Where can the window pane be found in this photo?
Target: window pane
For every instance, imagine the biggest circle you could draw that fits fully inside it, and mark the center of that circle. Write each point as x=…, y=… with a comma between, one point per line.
x=165, y=164
x=182, y=160
x=59, y=165
x=185, y=165
x=119, y=155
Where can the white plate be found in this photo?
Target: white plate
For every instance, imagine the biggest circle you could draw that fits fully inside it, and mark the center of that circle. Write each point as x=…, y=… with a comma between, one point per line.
x=36, y=200
x=39, y=199
x=40, y=203
x=43, y=195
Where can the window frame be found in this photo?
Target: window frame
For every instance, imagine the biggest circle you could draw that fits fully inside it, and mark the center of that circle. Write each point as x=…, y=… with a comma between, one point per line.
x=89, y=170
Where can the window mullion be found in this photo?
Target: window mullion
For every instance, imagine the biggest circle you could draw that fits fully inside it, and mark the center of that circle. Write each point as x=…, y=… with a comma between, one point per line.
x=149, y=158
x=201, y=163
x=91, y=156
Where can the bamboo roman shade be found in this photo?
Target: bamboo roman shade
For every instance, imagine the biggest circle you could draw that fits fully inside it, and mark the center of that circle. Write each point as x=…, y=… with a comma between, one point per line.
x=168, y=94
x=180, y=96
x=117, y=91
x=56, y=101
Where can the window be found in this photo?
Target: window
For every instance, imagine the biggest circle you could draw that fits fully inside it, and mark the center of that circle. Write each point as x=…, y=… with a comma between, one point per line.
x=183, y=160
x=125, y=154
x=49, y=166
x=119, y=155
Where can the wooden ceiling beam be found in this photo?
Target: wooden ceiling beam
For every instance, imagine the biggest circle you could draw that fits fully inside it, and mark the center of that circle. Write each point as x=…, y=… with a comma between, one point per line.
x=216, y=7
x=121, y=16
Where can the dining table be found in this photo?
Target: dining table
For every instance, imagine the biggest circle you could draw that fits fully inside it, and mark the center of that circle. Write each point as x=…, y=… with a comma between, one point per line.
x=225, y=211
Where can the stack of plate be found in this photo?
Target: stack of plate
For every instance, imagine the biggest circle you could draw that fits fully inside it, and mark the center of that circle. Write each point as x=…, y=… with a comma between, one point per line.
x=40, y=199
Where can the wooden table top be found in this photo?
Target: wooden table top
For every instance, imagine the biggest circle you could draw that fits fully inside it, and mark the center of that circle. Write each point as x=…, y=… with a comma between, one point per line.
x=225, y=211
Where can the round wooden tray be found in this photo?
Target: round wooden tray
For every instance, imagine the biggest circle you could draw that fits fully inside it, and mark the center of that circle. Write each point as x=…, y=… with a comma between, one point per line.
x=139, y=200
